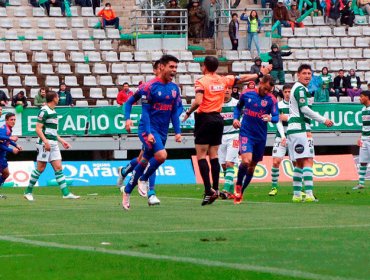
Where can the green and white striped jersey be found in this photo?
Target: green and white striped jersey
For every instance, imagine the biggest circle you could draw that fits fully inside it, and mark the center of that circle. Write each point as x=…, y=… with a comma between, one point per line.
x=297, y=121
x=227, y=113
x=49, y=118
x=283, y=109
x=365, y=116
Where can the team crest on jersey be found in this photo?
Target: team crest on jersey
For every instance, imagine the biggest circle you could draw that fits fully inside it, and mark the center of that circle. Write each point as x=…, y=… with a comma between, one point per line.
x=174, y=93
x=159, y=93
x=263, y=103
x=302, y=100
x=249, y=100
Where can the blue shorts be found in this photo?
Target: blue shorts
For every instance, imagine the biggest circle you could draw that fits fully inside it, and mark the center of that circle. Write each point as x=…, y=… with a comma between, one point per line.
x=3, y=164
x=151, y=148
x=257, y=148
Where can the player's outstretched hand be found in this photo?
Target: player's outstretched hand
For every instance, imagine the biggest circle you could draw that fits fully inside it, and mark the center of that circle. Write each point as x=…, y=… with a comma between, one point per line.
x=15, y=151
x=266, y=118
x=359, y=142
x=47, y=146
x=151, y=138
x=178, y=138
x=66, y=145
x=283, y=142
x=266, y=69
x=19, y=148
x=128, y=125
x=328, y=123
x=13, y=138
x=236, y=124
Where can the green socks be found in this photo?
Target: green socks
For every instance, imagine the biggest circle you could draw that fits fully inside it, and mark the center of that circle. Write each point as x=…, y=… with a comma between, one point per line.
x=361, y=174
x=308, y=179
x=274, y=177
x=33, y=180
x=229, y=180
x=297, y=181
x=61, y=180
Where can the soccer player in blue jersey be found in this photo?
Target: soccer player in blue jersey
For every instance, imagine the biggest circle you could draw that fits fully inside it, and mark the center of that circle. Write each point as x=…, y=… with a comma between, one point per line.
x=7, y=139
x=124, y=171
x=258, y=108
x=160, y=104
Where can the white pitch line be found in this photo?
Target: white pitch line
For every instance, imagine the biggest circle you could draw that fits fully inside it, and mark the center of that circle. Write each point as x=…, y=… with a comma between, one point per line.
x=190, y=230
x=238, y=266
x=15, y=256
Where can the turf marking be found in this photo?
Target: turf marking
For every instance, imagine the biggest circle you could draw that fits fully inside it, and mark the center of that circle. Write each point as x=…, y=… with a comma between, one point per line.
x=243, y=267
x=15, y=255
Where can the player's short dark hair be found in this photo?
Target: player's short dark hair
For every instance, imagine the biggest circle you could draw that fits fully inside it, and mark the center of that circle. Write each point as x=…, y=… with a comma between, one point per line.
x=287, y=86
x=156, y=64
x=125, y=83
x=165, y=59
x=341, y=70
x=9, y=115
x=107, y=4
x=234, y=14
x=268, y=79
x=211, y=63
x=50, y=95
x=304, y=67
x=366, y=93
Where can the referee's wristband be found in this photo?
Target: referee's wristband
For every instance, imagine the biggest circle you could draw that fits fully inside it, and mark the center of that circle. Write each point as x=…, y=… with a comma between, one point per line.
x=188, y=113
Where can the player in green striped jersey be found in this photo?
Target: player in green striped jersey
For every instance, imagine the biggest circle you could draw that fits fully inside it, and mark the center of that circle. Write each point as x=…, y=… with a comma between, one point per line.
x=300, y=146
x=47, y=147
x=280, y=145
x=364, y=141
x=228, y=152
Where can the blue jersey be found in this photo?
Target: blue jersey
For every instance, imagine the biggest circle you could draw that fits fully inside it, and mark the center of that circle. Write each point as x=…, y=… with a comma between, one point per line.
x=160, y=105
x=5, y=133
x=253, y=107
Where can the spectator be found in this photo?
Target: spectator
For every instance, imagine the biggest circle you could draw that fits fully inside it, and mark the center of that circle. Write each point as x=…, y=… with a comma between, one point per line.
x=333, y=8
x=197, y=17
x=65, y=97
x=327, y=80
x=249, y=87
x=368, y=86
x=54, y=3
x=19, y=99
x=83, y=3
x=172, y=17
x=40, y=98
x=3, y=98
x=235, y=92
x=315, y=84
x=234, y=31
x=124, y=94
x=280, y=13
x=108, y=17
x=276, y=60
x=321, y=93
x=295, y=14
x=365, y=6
x=256, y=68
x=214, y=13
x=348, y=15
x=354, y=84
x=253, y=28
x=340, y=84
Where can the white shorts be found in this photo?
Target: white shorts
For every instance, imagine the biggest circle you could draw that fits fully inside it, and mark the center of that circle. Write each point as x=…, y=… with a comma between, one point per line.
x=48, y=156
x=300, y=146
x=229, y=150
x=278, y=150
x=364, y=156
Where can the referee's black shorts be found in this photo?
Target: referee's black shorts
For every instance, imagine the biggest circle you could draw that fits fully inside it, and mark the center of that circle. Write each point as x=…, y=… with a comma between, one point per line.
x=208, y=128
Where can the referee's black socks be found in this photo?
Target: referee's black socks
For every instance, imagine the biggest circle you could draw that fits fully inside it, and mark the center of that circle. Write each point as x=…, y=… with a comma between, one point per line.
x=204, y=172
x=215, y=171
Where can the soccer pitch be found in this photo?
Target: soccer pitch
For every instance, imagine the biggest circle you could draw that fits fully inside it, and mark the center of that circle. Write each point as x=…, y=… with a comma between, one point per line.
x=263, y=238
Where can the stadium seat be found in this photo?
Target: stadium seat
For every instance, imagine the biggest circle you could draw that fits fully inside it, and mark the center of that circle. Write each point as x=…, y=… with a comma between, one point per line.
x=38, y=12
x=146, y=68
x=185, y=79
x=31, y=34
x=17, y=90
x=5, y=58
x=174, y=53
x=186, y=56
x=82, y=68
x=14, y=81
x=301, y=54
x=16, y=45
x=72, y=46
x=82, y=103
x=87, y=12
x=328, y=53
x=349, y=64
x=63, y=68
x=113, y=33
x=126, y=56
x=363, y=42
x=90, y=81
x=314, y=54
x=366, y=53
x=110, y=56
x=61, y=23
x=77, y=93
x=149, y=77
x=6, y=23
x=96, y=93
x=183, y=101
x=100, y=68
x=105, y=45
x=121, y=79
x=88, y=45
x=141, y=56
x=55, y=12
x=135, y=80
x=83, y=34
x=181, y=67
x=132, y=68
x=30, y=81
x=59, y=57
x=245, y=55
x=102, y=102
x=345, y=99
x=78, y=22
x=54, y=46
x=46, y=69
x=99, y=34
x=49, y=34
x=93, y=56
x=9, y=69
x=34, y=91
x=300, y=32
x=194, y=67
x=231, y=55
x=41, y=57
x=289, y=78
x=335, y=65
x=294, y=42
x=238, y=67
x=355, y=31
x=319, y=20
x=43, y=22
x=11, y=34
x=118, y=68
x=66, y=34
x=188, y=91
x=313, y=31
x=52, y=81
x=319, y=64
x=307, y=43
x=307, y=21
x=367, y=76
x=334, y=42
x=2, y=83
x=355, y=53
x=341, y=53
x=348, y=42
x=25, y=69
x=320, y=43
x=36, y=46
x=25, y=23
x=3, y=12
x=111, y=92
x=74, y=11
x=287, y=32
x=325, y=31
x=92, y=21
x=333, y=99
x=106, y=81
x=2, y=46
x=71, y=81
x=363, y=65
x=155, y=55
x=339, y=31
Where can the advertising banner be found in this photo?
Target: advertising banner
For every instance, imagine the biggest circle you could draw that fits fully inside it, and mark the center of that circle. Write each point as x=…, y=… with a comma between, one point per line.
x=110, y=120
x=326, y=168
x=20, y=173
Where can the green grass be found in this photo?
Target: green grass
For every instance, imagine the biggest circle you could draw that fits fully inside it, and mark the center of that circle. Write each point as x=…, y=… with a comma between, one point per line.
x=263, y=238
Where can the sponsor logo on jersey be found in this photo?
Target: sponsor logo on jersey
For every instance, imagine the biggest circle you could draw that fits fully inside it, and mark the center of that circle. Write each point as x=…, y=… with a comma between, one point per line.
x=217, y=88
x=299, y=149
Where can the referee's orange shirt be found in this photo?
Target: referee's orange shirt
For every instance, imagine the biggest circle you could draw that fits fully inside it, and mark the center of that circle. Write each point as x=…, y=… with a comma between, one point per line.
x=213, y=87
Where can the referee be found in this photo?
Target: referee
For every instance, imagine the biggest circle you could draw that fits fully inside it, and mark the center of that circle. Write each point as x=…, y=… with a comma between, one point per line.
x=208, y=130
